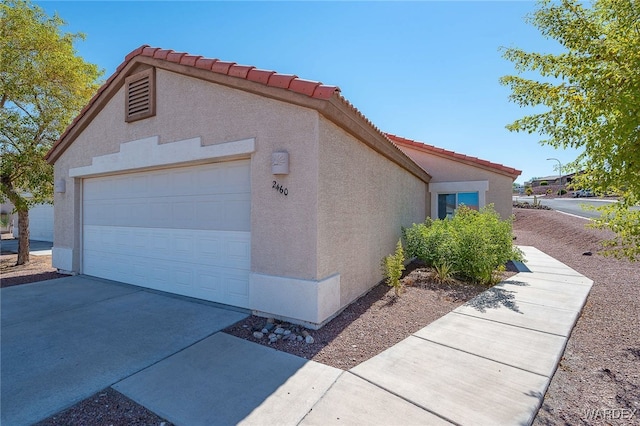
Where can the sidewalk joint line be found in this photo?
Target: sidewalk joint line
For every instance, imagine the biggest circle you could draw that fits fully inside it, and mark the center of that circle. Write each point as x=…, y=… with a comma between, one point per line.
x=405, y=399
x=321, y=397
x=513, y=325
x=481, y=356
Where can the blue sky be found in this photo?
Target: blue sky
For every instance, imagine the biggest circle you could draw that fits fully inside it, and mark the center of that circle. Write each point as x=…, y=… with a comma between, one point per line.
x=423, y=70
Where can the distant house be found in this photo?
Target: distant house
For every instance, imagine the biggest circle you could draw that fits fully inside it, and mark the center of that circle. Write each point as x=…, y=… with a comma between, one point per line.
x=40, y=221
x=551, y=180
x=246, y=187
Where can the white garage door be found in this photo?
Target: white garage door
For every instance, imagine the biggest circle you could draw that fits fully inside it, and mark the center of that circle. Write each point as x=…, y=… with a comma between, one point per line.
x=184, y=230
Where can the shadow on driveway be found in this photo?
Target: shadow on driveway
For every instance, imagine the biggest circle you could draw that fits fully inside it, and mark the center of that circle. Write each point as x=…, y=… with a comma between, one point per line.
x=63, y=340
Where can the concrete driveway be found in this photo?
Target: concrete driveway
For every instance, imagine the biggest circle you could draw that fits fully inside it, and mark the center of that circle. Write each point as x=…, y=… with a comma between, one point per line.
x=63, y=340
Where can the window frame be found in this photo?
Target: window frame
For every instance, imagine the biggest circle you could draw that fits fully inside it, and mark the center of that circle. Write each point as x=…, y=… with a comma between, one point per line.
x=438, y=188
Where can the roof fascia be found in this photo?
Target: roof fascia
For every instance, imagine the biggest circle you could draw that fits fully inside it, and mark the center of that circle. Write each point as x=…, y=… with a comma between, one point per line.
x=458, y=160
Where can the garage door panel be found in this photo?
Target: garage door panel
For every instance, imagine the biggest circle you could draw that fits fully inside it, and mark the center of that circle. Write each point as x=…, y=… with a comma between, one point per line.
x=238, y=283
x=226, y=212
x=183, y=230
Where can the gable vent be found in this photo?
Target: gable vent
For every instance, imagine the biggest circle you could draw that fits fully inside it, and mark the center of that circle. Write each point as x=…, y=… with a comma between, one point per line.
x=140, y=95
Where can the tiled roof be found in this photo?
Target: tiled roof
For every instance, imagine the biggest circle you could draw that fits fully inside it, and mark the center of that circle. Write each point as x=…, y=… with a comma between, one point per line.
x=313, y=89
x=310, y=88
x=400, y=141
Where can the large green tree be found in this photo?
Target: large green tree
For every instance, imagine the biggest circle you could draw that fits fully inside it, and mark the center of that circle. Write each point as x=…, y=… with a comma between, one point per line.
x=43, y=85
x=590, y=99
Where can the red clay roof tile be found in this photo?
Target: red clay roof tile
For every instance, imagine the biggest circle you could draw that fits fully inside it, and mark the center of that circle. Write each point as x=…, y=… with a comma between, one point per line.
x=149, y=51
x=240, y=71
x=161, y=53
x=205, y=63
x=222, y=67
x=189, y=60
x=175, y=57
x=398, y=140
x=306, y=87
x=324, y=92
x=281, y=80
x=135, y=53
x=260, y=76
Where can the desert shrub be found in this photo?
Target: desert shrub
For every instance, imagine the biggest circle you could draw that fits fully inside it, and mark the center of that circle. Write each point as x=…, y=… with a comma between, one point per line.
x=392, y=267
x=528, y=190
x=444, y=272
x=562, y=192
x=473, y=243
x=544, y=183
x=549, y=191
x=431, y=241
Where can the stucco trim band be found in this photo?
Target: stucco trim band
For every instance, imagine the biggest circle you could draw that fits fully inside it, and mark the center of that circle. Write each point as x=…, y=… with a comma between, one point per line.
x=303, y=301
x=148, y=152
x=481, y=186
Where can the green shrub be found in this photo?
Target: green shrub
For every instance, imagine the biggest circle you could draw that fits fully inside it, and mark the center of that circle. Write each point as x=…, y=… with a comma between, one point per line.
x=392, y=267
x=430, y=241
x=562, y=192
x=444, y=272
x=544, y=183
x=528, y=190
x=473, y=243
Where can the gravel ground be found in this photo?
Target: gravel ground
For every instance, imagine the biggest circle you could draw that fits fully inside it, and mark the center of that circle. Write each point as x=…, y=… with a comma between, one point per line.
x=38, y=269
x=600, y=369
x=375, y=322
x=106, y=408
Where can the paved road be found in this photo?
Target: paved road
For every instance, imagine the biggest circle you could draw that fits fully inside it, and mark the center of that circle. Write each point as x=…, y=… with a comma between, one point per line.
x=570, y=205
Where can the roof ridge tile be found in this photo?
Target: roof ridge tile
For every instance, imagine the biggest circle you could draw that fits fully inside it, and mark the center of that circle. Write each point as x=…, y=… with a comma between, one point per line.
x=240, y=70
x=189, y=60
x=281, y=80
x=222, y=67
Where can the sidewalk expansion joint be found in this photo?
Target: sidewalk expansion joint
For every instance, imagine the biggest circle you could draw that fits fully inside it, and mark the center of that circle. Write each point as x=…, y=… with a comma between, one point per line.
x=483, y=357
x=320, y=399
x=163, y=359
x=517, y=326
x=405, y=399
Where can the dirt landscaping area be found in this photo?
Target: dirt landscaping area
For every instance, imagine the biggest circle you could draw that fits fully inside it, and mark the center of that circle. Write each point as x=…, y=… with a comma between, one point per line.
x=600, y=369
x=38, y=269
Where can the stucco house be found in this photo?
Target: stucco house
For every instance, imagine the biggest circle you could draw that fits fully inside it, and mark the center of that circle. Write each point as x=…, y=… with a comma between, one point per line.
x=244, y=186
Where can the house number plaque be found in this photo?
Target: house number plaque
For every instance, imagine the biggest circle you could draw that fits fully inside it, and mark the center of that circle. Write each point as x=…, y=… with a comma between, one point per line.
x=279, y=188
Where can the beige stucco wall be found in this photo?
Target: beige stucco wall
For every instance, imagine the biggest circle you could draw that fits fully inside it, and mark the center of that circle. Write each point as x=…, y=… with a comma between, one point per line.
x=364, y=200
x=444, y=170
x=283, y=228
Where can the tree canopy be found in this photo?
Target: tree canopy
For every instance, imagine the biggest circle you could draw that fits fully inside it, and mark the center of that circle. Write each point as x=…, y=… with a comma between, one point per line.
x=43, y=85
x=590, y=93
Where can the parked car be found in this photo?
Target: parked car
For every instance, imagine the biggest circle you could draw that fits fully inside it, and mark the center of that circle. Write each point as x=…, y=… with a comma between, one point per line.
x=583, y=193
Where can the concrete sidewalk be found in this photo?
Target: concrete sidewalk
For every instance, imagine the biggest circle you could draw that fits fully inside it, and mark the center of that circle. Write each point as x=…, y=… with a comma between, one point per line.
x=488, y=362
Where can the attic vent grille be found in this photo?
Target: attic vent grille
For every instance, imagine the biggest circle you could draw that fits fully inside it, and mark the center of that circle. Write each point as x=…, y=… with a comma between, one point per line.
x=140, y=95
